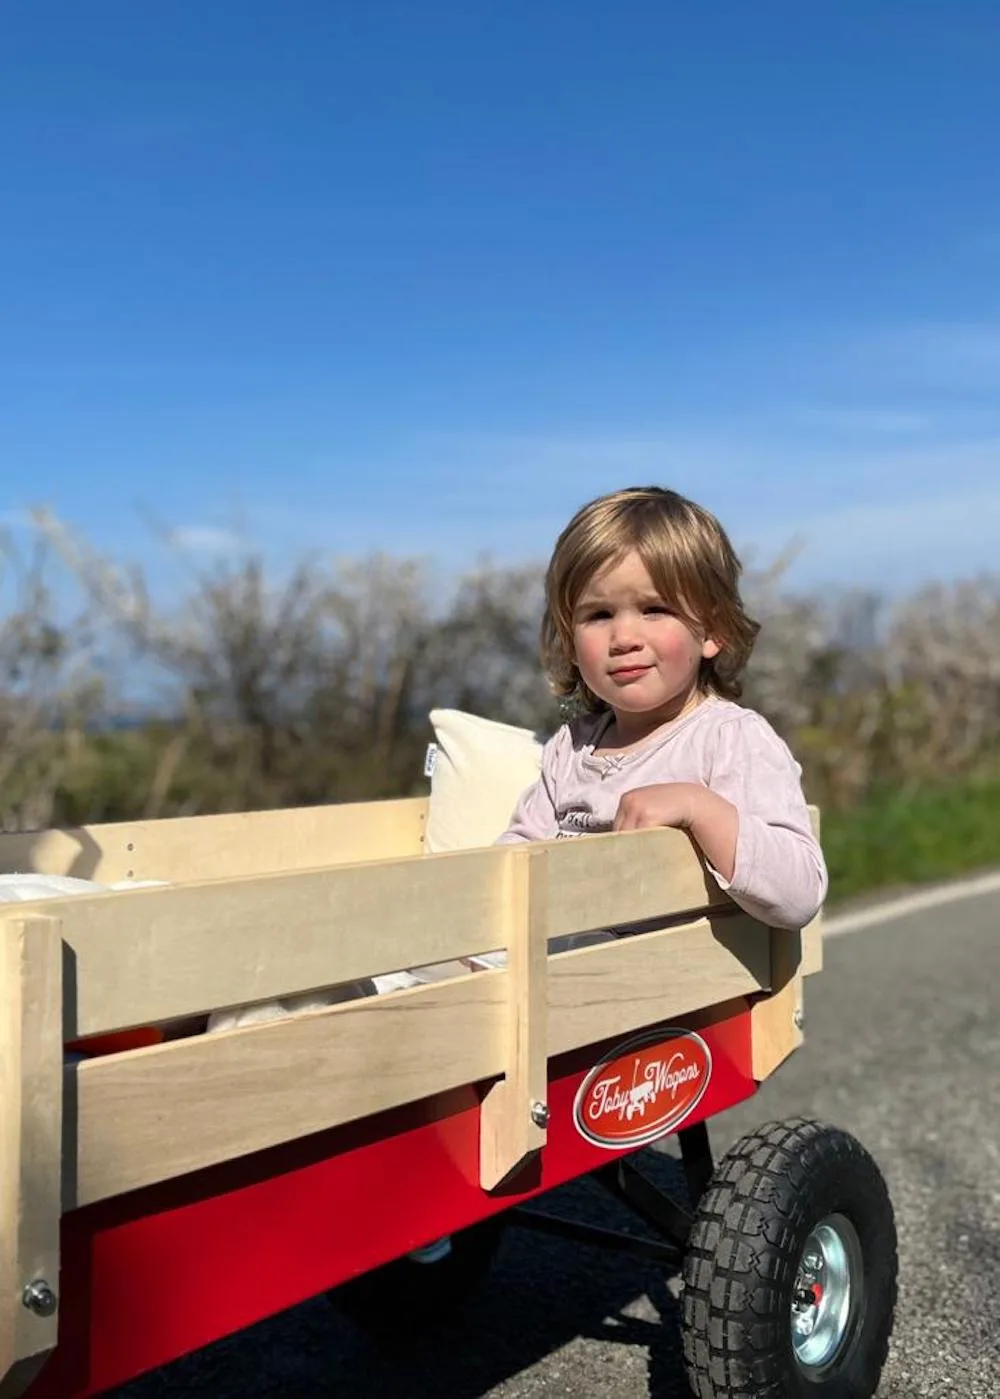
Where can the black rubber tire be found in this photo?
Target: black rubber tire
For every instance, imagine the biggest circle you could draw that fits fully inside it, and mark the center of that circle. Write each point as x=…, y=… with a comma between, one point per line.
x=765, y=1197
x=407, y=1294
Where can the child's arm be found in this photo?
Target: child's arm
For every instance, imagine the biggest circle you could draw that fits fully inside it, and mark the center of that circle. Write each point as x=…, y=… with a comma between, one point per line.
x=751, y=822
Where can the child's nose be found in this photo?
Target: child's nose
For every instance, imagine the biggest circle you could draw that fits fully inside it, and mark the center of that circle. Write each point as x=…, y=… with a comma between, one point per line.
x=625, y=634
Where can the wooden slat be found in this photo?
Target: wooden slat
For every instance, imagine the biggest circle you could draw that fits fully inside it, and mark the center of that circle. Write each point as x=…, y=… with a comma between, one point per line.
x=812, y=946
x=611, y=879
x=30, y=1139
x=241, y=844
x=160, y=1112
x=613, y=988
x=509, y=1137
x=160, y=954
x=776, y=1021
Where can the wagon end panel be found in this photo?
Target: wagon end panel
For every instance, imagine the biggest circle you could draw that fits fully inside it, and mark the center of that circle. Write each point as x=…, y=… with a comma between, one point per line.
x=778, y=1018
x=30, y=1145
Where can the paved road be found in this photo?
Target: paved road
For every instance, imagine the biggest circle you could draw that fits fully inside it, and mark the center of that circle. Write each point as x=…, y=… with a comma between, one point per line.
x=903, y=1049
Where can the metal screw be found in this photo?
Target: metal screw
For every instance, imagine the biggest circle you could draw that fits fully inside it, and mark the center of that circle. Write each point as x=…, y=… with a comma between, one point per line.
x=540, y=1114
x=799, y=1018
x=39, y=1298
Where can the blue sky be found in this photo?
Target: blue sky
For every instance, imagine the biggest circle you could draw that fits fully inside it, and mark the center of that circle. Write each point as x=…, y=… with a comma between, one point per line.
x=350, y=276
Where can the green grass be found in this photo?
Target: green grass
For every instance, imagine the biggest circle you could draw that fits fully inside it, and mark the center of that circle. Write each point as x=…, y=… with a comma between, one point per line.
x=897, y=840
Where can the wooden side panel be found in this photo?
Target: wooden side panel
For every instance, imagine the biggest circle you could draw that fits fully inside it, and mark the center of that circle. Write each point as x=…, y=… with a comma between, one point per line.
x=160, y=1112
x=617, y=987
x=153, y=955
x=612, y=879
x=237, y=845
x=30, y=1139
x=509, y=1136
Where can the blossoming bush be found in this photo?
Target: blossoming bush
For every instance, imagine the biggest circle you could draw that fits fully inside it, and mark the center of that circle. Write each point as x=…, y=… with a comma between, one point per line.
x=252, y=689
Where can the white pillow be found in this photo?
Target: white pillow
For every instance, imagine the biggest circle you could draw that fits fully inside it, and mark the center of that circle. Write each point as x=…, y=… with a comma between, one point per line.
x=479, y=768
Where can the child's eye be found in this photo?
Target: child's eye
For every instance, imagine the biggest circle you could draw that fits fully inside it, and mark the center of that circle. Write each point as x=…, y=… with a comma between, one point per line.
x=660, y=609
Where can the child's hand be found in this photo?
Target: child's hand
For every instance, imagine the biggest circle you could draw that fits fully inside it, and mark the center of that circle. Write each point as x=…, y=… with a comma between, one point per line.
x=713, y=823
x=662, y=804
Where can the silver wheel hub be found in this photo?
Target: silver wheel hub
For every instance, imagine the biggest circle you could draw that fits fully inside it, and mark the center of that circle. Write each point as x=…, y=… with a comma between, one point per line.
x=827, y=1292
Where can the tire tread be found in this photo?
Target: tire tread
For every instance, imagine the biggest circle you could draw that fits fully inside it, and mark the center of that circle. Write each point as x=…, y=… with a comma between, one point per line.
x=743, y=1247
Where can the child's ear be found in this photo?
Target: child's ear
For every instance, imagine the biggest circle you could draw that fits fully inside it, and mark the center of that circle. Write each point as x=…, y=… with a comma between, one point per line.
x=710, y=648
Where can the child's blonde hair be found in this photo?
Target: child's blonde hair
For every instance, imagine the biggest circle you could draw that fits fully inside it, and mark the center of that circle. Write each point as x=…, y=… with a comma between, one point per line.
x=690, y=560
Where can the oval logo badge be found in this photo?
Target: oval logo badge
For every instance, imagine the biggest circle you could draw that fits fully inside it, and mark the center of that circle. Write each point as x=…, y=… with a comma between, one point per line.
x=643, y=1089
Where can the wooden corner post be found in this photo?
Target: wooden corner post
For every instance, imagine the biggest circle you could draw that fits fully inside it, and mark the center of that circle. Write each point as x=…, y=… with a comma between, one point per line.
x=776, y=1020
x=31, y=1077
x=515, y=1111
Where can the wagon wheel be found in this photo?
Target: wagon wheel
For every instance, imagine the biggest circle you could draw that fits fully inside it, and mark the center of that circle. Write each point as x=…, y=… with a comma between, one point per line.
x=426, y=1286
x=790, y=1273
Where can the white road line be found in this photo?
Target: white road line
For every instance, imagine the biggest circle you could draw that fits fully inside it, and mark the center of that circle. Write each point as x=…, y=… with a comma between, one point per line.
x=910, y=903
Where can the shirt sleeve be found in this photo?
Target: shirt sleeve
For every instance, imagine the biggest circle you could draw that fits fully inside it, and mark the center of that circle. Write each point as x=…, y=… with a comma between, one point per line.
x=779, y=874
x=534, y=816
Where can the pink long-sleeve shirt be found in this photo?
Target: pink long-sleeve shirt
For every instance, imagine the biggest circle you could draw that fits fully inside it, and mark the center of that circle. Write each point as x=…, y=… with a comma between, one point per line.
x=779, y=876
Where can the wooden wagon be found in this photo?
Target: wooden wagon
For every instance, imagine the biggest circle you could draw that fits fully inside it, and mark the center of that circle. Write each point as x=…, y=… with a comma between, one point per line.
x=162, y=1196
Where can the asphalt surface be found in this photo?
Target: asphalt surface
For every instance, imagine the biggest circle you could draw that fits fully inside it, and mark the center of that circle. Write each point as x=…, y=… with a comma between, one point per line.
x=903, y=1049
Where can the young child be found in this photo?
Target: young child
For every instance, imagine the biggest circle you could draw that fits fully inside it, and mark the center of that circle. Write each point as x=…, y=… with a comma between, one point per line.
x=645, y=631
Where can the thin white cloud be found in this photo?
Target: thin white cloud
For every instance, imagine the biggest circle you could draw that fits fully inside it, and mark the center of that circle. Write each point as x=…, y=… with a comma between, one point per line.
x=205, y=539
x=875, y=511
x=892, y=544
x=881, y=539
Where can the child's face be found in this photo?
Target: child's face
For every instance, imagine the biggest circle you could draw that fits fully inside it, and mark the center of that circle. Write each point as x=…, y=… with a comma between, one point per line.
x=632, y=649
